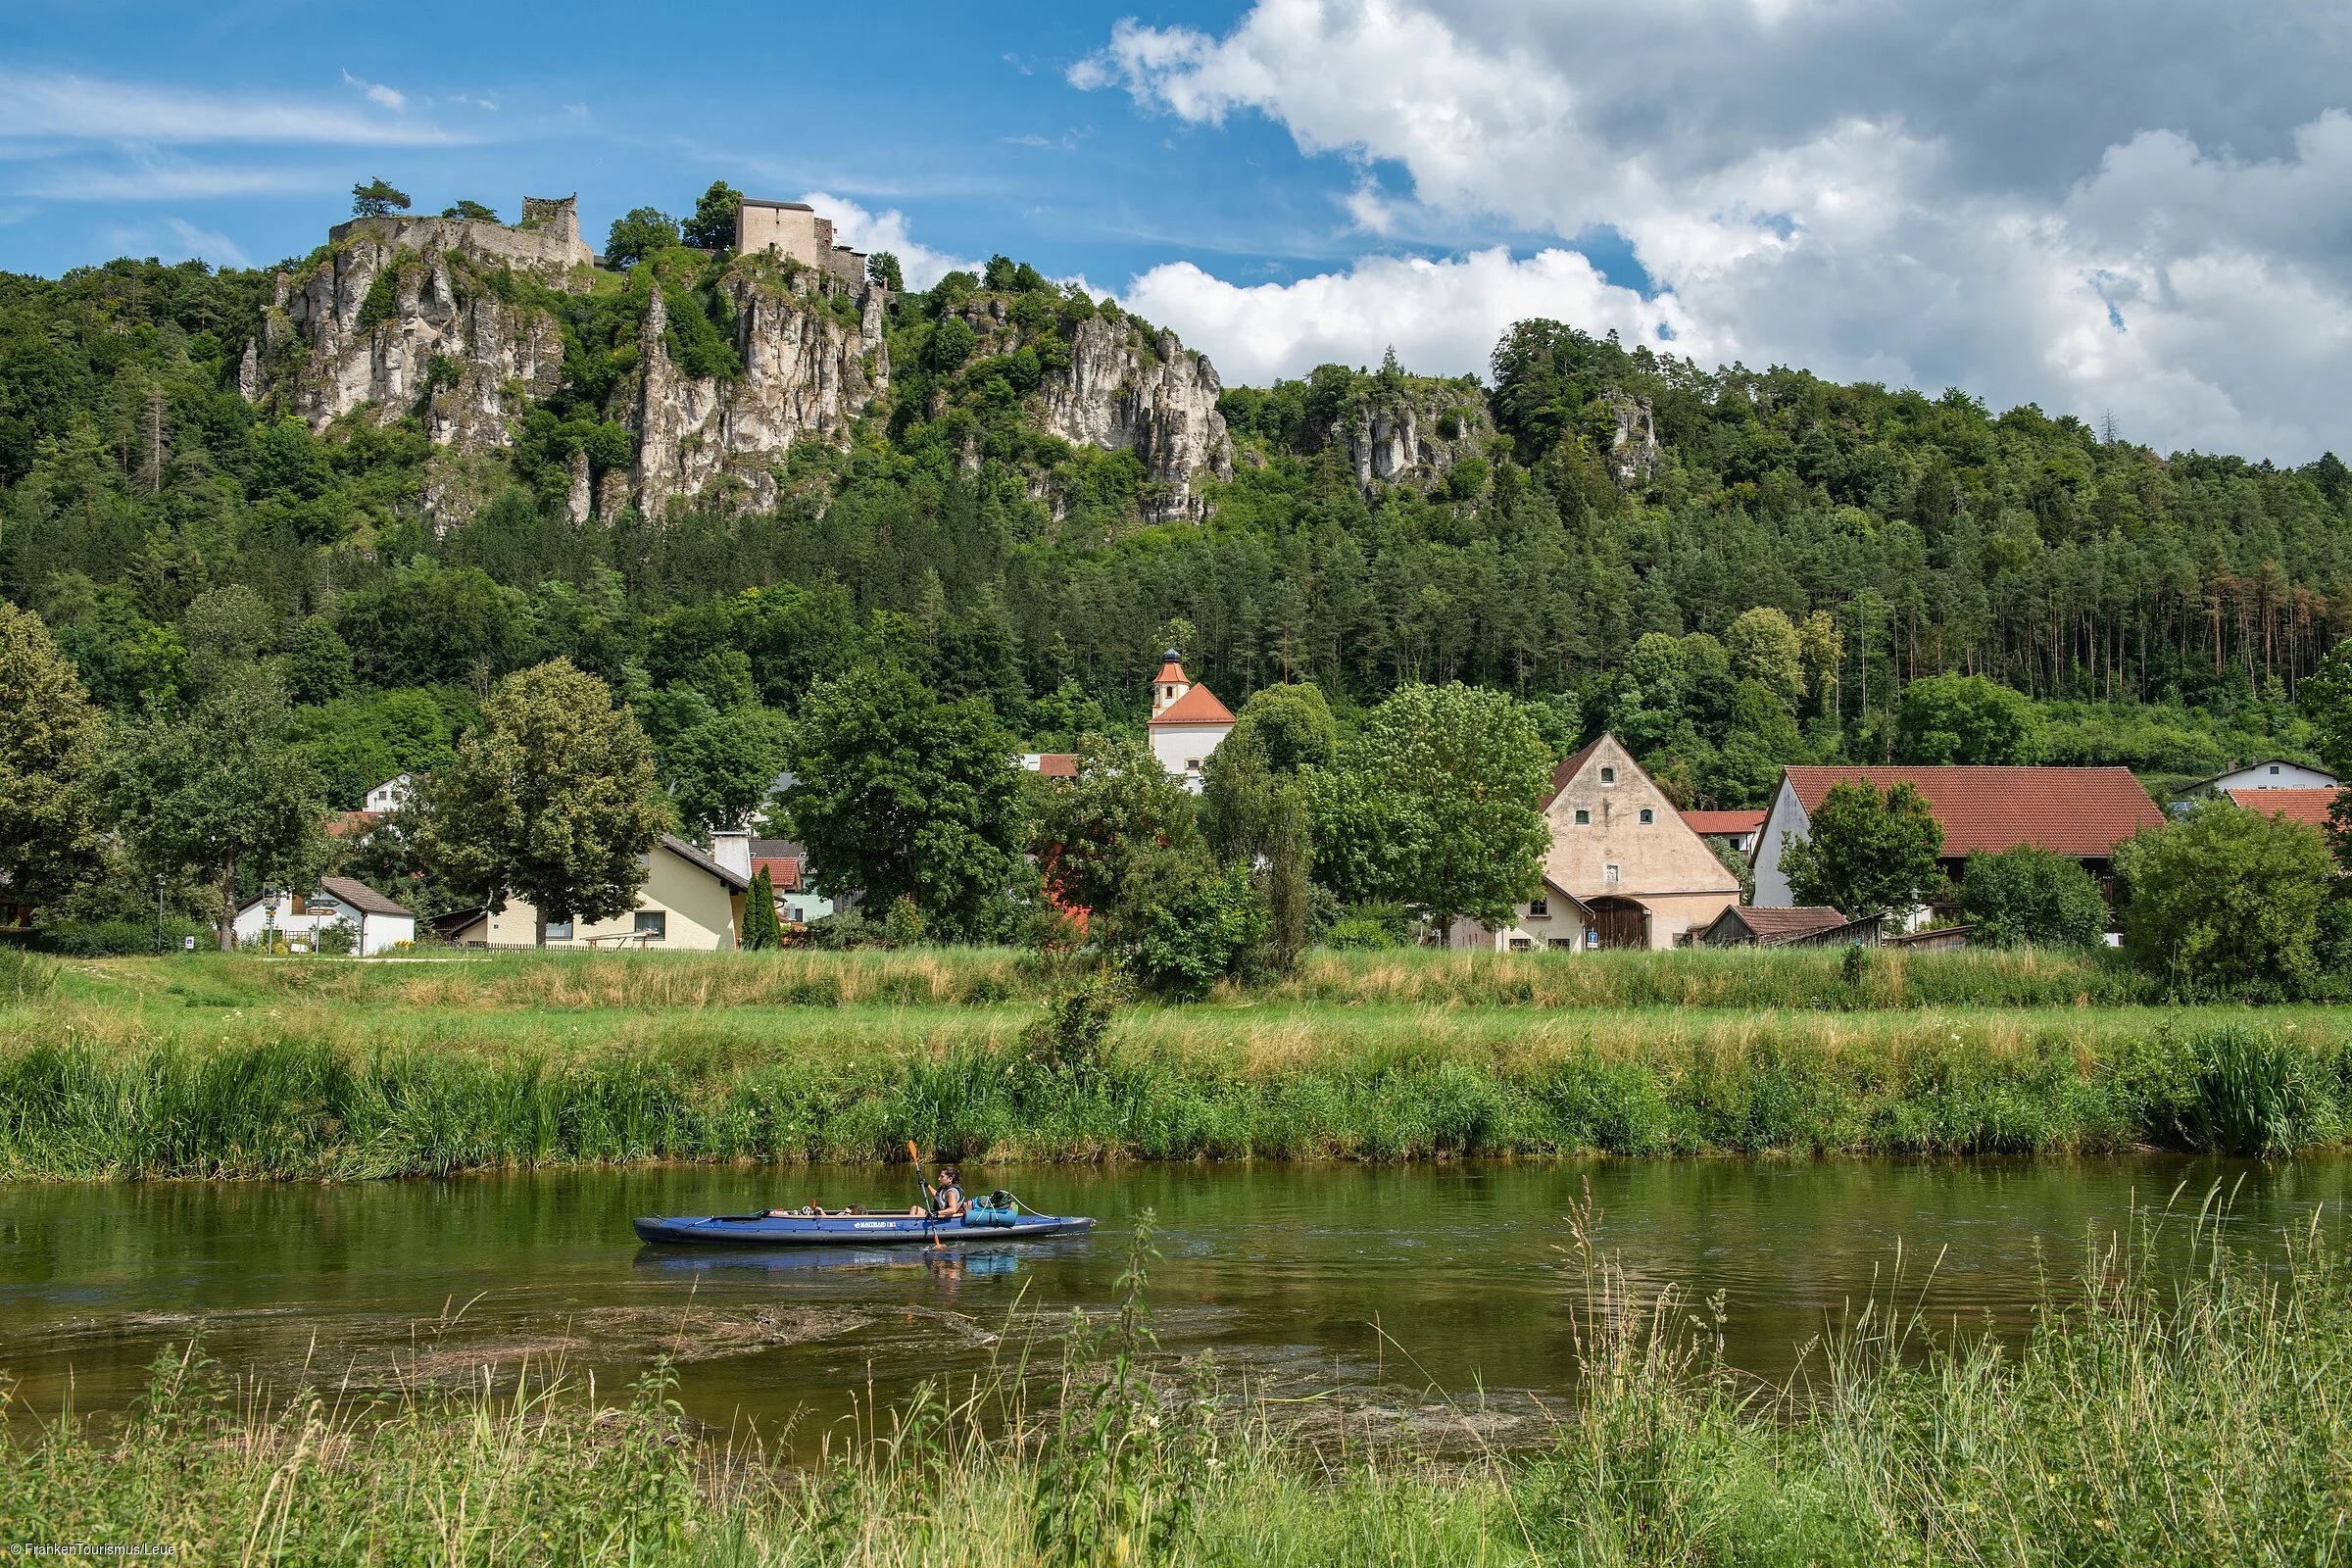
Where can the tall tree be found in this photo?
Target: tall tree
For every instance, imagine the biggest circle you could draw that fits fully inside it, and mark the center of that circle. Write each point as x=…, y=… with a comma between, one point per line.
x=1107, y=838
x=50, y=737
x=901, y=795
x=1254, y=805
x=1965, y=718
x=1867, y=853
x=552, y=798
x=721, y=770
x=1447, y=783
x=2225, y=898
x=377, y=198
x=761, y=931
x=712, y=225
x=638, y=233
x=222, y=792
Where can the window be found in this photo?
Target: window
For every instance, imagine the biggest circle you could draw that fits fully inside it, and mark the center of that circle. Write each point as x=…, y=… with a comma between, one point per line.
x=1608, y=775
x=1563, y=944
x=1608, y=873
x=2274, y=769
x=1191, y=764
x=796, y=915
x=1539, y=909
x=1520, y=944
x=653, y=924
x=558, y=930
x=1583, y=819
x=1648, y=817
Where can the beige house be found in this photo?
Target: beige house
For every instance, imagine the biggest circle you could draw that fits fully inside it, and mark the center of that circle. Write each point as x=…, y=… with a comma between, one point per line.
x=690, y=903
x=1624, y=870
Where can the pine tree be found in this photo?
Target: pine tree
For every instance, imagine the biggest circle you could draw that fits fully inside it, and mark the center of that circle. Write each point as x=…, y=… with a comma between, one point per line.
x=761, y=929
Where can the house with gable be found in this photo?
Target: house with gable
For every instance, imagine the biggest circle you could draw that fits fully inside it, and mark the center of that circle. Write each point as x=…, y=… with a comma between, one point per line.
x=1188, y=722
x=1624, y=869
x=2079, y=812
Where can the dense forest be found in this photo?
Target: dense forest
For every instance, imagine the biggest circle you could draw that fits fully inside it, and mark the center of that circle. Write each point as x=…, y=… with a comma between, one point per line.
x=2157, y=611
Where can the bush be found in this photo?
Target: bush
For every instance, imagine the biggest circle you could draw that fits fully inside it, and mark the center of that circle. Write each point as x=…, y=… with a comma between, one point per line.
x=338, y=941
x=1369, y=928
x=109, y=939
x=2028, y=896
x=2226, y=900
x=1211, y=928
x=2252, y=1093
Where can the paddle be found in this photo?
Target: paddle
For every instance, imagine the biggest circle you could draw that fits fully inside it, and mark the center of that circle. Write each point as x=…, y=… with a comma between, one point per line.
x=930, y=1197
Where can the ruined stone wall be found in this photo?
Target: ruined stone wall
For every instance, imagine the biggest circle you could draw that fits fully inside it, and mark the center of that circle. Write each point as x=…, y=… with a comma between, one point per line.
x=553, y=248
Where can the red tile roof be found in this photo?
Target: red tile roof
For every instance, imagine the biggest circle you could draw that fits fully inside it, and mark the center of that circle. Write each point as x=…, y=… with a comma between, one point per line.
x=1724, y=824
x=2072, y=810
x=1058, y=765
x=2296, y=806
x=1199, y=706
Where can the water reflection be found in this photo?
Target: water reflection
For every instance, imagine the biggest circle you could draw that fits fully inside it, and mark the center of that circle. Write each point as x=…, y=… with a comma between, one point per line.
x=1452, y=1277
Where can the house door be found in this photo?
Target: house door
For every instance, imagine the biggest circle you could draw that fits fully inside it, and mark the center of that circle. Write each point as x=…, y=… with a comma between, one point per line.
x=1620, y=922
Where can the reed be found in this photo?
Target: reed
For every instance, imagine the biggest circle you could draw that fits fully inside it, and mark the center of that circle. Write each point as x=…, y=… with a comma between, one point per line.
x=2146, y=1418
x=1795, y=978
x=349, y=1096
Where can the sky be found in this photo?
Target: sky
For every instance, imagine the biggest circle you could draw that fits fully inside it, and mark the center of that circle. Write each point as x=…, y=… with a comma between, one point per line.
x=2137, y=210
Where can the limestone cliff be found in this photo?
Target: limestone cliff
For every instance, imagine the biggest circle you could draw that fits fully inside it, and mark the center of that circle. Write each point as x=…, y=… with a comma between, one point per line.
x=1409, y=431
x=1125, y=389
x=1633, y=447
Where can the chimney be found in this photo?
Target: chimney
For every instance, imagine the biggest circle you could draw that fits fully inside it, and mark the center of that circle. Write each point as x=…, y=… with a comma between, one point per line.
x=732, y=848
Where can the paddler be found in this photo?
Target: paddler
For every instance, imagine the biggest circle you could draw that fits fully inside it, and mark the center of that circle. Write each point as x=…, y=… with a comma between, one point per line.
x=945, y=1200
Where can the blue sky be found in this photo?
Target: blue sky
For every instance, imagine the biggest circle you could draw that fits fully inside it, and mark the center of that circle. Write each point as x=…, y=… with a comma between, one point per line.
x=2125, y=207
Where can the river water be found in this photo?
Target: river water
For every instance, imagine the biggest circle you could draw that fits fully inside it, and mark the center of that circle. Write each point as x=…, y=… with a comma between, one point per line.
x=1437, y=1294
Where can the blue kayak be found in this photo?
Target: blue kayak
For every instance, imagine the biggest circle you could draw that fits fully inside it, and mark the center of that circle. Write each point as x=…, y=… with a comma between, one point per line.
x=846, y=1230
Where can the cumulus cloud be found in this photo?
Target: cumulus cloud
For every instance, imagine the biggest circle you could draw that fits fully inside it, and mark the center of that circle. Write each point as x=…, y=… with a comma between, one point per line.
x=2086, y=203
x=1442, y=318
x=863, y=230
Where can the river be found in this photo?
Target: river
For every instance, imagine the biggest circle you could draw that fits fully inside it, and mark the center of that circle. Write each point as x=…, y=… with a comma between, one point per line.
x=1427, y=1293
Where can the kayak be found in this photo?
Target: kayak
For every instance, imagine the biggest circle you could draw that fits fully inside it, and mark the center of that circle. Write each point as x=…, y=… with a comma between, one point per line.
x=846, y=1230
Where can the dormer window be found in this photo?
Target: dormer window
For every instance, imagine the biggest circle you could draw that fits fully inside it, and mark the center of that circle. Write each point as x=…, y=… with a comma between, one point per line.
x=1608, y=775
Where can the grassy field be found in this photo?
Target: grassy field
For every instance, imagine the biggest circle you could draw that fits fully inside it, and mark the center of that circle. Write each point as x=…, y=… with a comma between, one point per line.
x=2200, y=1423
x=241, y=1066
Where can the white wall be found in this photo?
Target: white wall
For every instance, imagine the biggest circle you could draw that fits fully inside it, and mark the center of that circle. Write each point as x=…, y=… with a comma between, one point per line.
x=1786, y=816
x=2276, y=777
x=1182, y=748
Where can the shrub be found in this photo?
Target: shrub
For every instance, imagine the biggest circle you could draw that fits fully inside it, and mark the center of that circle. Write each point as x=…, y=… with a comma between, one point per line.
x=2226, y=899
x=2029, y=897
x=2251, y=1095
x=1369, y=928
x=1210, y=928
x=105, y=939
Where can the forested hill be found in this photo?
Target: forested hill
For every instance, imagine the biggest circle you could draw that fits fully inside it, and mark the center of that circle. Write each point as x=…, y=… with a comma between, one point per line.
x=1379, y=528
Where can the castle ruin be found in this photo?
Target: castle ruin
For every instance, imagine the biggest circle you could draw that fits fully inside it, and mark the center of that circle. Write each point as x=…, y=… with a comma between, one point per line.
x=548, y=239
x=792, y=229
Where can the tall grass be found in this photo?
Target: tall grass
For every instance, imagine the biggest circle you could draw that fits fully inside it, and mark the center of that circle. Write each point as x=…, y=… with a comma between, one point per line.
x=1809, y=978
x=2199, y=1420
x=272, y=1098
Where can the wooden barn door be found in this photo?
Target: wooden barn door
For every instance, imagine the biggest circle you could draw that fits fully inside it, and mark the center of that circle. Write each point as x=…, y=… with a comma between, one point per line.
x=1621, y=922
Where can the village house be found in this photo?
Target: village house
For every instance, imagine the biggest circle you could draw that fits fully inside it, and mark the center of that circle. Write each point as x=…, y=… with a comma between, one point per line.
x=787, y=866
x=2081, y=811
x=691, y=902
x=1188, y=722
x=1734, y=830
x=377, y=924
x=1813, y=926
x=1624, y=869
x=2270, y=773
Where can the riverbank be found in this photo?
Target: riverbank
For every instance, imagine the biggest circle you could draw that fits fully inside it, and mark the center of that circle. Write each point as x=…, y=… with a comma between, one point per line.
x=2140, y=1422
x=241, y=1067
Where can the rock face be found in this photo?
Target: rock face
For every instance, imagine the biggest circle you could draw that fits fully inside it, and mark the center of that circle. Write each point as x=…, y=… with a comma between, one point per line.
x=1411, y=434
x=405, y=316
x=1634, y=449
x=1124, y=391
x=806, y=374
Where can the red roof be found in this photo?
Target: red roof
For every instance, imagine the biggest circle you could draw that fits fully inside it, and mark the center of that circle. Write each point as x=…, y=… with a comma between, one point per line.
x=1170, y=674
x=1724, y=824
x=2296, y=806
x=1058, y=765
x=1199, y=706
x=1571, y=766
x=2084, y=811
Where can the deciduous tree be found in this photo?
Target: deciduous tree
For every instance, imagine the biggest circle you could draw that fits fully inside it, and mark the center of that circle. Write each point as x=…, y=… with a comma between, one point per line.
x=552, y=798
x=712, y=225
x=1868, y=853
x=2225, y=898
x=50, y=737
x=2027, y=896
x=1966, y=719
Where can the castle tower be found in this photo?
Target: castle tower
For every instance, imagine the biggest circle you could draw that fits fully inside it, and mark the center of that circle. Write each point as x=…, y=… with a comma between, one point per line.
x=1188, y=722
x=1169, y=684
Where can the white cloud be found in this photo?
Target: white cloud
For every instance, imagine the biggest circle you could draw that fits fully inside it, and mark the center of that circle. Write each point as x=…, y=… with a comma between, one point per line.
x=375, y=92
x=1442, y=318
x=1909, y=194
x=859, y=229
x=206, y=245
x=67, y=108
x=157, y=179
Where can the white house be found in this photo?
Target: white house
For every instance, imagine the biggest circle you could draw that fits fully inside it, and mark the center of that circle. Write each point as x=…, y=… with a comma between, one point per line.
x=1188, y=722
x=690, y=903
x=2270, y=773
x=377, y=923
x=391, y=795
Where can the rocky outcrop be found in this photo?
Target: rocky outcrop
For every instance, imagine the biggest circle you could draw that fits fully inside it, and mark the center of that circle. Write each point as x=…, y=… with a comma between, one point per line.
x=379, y=324
x=1411, y=434
x=806, y=374
x=1634, y=449
x=1124, y=391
